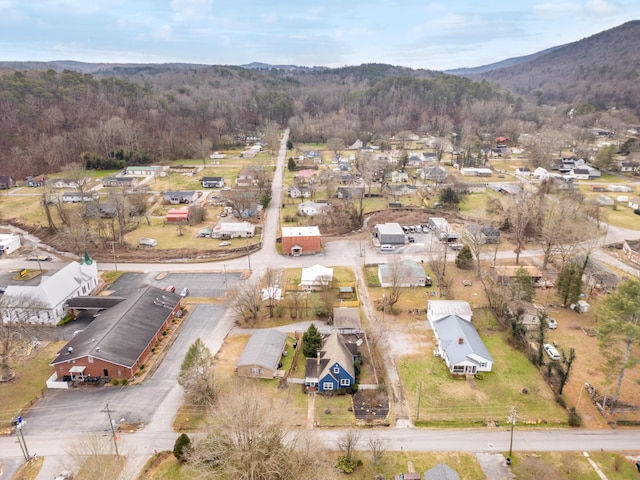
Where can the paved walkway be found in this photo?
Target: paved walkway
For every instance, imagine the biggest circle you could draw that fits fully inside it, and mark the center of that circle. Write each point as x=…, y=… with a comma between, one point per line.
x=494, y=466
x=311, y=408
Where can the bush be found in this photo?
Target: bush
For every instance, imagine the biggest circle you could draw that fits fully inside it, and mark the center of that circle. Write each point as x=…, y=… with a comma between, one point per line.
x=347, y=463
x=637, y=211
x=560, y=401
x=354, y=388
x=575, y=420
x=322, y=311
x=181, y=447
x=115, y=382
x=125, y=381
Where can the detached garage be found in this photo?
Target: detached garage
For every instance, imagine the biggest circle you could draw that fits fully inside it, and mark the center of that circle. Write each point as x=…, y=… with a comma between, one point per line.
x=9, y=244
x=261, y=357
x=390, y=234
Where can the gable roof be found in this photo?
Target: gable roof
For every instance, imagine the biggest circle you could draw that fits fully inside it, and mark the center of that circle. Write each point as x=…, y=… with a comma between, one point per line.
x=56, y=288
x=438, y=309
x=410, y=270
x=316, y=273
x=460, y=340
x=300, y=231
x=263, y=349
x=441, y=471
x=346, y=318
x=122, y=333
x=334, y=350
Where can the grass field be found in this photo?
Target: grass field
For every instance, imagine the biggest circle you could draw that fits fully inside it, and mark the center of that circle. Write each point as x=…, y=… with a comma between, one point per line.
x=463, y=402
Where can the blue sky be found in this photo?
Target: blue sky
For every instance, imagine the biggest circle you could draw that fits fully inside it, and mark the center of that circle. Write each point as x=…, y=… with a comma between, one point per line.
x=418, y=34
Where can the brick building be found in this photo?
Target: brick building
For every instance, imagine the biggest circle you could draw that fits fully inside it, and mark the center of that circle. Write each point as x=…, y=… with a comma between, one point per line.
x=300, y=240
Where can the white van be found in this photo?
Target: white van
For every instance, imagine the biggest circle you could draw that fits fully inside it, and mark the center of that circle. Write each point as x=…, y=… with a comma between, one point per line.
x=387, y=248
x=148, y=242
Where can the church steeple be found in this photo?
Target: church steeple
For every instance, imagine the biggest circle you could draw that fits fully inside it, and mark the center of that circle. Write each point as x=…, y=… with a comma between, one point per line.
x=87, y=260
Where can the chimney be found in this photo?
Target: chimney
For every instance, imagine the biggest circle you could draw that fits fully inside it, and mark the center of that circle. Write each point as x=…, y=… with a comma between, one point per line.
x=318, y=362
x=460, y=341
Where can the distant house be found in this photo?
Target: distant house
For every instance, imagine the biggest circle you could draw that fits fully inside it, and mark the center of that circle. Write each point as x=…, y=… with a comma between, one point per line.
x=316, y=277
x=357, y=145
x=635, y=203
x=234, y=230
x=333, y=368
x=413, y=275
x=120, y=342
x=475, y=172
x=304, y=176
x=212, y=182
x=434, y=174
x=631, y=250
x=502, y=275
x=9, y=243
x=439, y=309
x=75, y=197
x=584, y=173
x=620, y=188
x=143, y=170
x=483, y=233
x=53, y=291
x=540, y=173
x=65, y=182
x=350, y=192
x=523, y=172
x=177, y=215
x=399, y=177
x=389, y=233
x=401, y=190
x=312, y=208
x=604, y=200
x=35, y=181
x=181, y=196
x=7, y=182
x=346, y=320
x=461, y=347
x=527, y=313
x=299, y=192
x=249, y=176
x=262, y=354
x=300, y=240
x=120, y=181
x=629, y=166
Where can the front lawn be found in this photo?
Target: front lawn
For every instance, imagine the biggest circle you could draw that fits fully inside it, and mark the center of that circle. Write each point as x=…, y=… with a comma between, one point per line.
x=448, y=400
x=334, y=410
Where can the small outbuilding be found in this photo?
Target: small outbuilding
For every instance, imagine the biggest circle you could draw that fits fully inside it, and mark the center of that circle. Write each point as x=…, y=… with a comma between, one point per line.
x=9, y=243
x=346, y=320
x=389, y=234
x=316, y=277
x=261, y=357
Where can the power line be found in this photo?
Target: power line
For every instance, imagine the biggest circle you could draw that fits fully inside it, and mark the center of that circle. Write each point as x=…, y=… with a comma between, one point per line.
x=113, y=429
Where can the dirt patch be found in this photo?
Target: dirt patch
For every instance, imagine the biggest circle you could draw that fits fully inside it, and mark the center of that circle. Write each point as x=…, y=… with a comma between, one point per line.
x=370, y=405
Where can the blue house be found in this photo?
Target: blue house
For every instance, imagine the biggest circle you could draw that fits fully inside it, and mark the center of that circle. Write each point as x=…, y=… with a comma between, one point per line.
x=333, y=368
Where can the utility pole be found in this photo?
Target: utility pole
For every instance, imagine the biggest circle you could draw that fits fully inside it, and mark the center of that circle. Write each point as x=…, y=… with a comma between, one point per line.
x=512, y=420
x=419, y=395
x=224, y=267
x=113, y=251
x=19, y=423
x=113, y=429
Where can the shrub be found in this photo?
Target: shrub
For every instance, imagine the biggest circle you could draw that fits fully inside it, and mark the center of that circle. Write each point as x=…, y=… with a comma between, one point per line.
x=575, y=420
x=354, y=388
x=560, y=401
x=347, y=463
x=125, y=381
x=637, y=211
x=181, y=447
x=115, y=382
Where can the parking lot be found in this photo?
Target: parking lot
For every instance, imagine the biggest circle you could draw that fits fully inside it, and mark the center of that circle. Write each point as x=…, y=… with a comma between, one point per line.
x=200, y=285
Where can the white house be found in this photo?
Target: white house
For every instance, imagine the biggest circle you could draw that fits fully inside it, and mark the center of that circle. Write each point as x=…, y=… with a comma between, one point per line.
x=439, y=309
x=312, y=208
x=635, y=203
x=461, y=347
x=540, y=173
x=411, y=273
x=53, y=291
x=316, y=277
x=523, y=172
x=9, y=243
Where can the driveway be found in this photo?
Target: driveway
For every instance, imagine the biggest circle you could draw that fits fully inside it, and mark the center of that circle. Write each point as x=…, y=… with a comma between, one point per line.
x=201, y=285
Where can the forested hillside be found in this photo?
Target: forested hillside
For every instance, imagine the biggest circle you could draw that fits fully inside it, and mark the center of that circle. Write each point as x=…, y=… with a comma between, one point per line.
x=149, y=113
x=602, y=70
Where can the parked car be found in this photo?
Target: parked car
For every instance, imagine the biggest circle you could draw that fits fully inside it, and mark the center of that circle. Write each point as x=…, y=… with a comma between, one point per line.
x=170, y=288
x=224, y=244
x=411, y=239
x=184, y=292
x=552, y=323
x=551, y=351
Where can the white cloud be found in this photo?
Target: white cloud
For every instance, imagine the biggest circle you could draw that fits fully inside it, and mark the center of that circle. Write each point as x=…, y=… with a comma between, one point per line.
x=555, y=9
x=191, y=10
x=82, y=7
x=164, y=32
x=601, y=7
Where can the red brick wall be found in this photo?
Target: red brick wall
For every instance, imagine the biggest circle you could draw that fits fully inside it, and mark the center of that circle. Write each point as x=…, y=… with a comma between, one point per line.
x=309, y=244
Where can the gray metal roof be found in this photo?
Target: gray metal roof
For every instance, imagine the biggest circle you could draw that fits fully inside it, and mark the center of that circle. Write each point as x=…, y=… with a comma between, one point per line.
x=453, y=328
x=121, y=334
x=89, y=303
x=264, y=349
x=390, y=229
x=441, y=471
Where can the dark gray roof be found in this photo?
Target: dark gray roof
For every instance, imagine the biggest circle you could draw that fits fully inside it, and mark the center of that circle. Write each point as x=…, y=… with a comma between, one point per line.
x=90, y=303
x=346, y=317
x=441, y=471
x=264, y=349
x=121, y=334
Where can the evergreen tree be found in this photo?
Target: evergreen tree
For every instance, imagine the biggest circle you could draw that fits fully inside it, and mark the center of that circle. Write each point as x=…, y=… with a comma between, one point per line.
x=291, y=164
x=289, y=145
x=569, y=283
x=522, y=285
x=464, y=260
x=311, y=342
x=181, y=447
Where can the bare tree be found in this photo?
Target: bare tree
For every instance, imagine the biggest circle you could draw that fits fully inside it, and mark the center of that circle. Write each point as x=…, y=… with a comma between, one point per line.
x=196, y=375
x=476, y=240
x=336, y=145
x=522, y=216
x=398, y=272
x=378, y=447
x=270, y=282
x=92, y=457
x=250, y=439
x=246, y=302
x=18, y=313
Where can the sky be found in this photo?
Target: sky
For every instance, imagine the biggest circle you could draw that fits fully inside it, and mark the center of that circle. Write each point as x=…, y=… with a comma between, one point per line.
x=417, y=34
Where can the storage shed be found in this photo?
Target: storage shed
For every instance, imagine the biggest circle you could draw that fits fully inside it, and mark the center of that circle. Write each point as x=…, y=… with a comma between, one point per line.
x=390, y=234
x=261, y=357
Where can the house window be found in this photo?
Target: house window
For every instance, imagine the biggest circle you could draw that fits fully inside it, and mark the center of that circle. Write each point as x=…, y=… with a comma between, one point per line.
x=336, y=369
x=483, y=364
x=90, y=359
x=327, y=386
x=345, y=382
x=458, y=369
